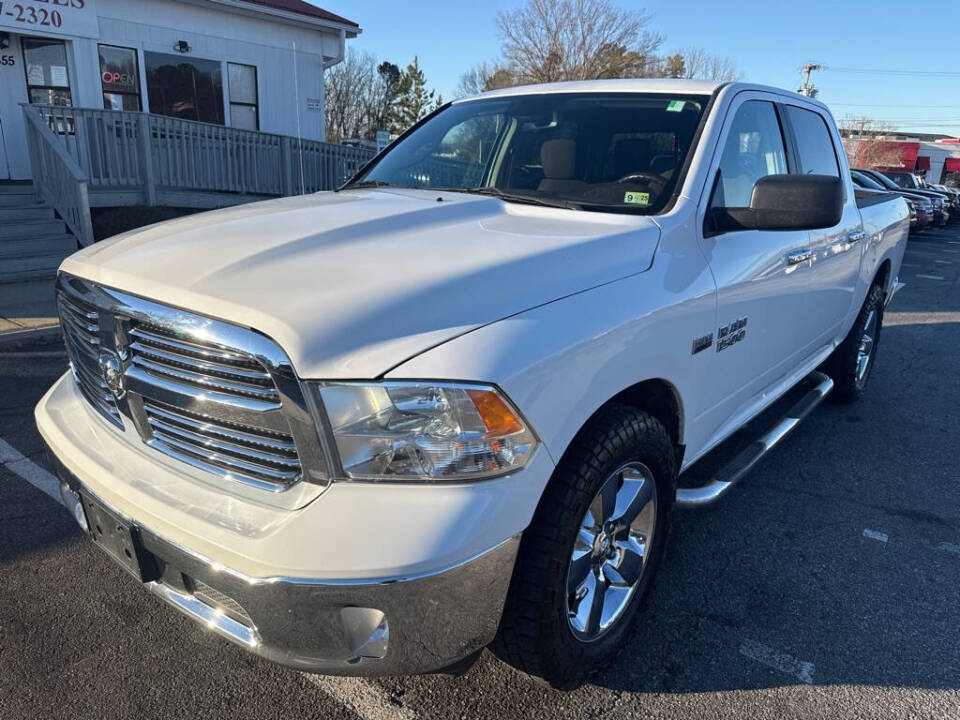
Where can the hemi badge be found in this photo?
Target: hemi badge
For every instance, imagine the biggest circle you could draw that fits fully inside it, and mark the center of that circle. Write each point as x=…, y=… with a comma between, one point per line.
x=702, y=343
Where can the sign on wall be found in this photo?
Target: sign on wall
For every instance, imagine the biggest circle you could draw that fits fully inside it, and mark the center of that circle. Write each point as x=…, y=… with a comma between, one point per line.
x=60, y=17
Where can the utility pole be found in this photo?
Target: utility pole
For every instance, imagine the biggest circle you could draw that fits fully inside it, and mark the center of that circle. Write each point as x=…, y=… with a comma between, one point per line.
x=808, y=89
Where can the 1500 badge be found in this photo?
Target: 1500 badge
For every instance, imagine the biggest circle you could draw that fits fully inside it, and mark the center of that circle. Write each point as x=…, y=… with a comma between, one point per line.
x=731, y=334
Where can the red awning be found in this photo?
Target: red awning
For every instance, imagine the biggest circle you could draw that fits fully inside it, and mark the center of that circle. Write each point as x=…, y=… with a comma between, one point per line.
x=923, y=163
x=952, y=164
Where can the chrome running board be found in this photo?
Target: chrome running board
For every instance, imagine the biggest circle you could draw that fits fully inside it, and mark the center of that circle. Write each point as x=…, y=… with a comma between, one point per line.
x=723, y=480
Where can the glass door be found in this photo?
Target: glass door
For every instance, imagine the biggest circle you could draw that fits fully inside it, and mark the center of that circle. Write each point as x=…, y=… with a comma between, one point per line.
x=45, y=63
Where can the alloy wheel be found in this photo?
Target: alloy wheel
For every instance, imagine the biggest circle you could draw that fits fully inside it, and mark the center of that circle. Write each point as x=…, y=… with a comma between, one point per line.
x=610, y=553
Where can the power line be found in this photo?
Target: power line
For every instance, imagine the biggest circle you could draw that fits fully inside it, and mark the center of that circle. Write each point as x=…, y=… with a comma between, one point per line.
x=879, y=71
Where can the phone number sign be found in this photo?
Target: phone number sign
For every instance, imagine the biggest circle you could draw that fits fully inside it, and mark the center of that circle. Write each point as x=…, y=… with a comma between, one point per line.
x=60, y=17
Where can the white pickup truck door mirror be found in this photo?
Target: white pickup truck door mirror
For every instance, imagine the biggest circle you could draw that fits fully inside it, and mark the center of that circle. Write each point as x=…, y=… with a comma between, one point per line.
x=786, y=202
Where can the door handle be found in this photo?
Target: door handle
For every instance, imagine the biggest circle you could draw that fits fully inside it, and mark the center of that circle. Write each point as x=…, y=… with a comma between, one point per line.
x=855, y=236
x=798, y=256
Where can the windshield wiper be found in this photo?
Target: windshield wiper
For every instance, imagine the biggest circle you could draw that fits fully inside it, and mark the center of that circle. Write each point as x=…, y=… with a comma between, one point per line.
x=365, y=184
x=514, y=197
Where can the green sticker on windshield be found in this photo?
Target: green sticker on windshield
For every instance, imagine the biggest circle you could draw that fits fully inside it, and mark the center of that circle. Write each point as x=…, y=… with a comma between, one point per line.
x=636, y=198
x=675, y=105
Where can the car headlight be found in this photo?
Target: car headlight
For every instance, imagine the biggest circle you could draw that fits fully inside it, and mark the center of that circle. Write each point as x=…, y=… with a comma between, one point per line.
x=424, y=431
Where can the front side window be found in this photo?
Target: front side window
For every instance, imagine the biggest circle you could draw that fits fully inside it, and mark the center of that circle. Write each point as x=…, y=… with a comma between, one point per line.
x=119, y=78
x=184, y=87
x=45, y=62
x=814, y=145
x=753, y=149
x=616, y=152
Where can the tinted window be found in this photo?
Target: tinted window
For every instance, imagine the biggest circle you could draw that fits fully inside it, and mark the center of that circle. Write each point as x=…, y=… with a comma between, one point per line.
x=865, y=181
x=754, y=149
x=616, y=152
x=817, y=156
x=184, y=87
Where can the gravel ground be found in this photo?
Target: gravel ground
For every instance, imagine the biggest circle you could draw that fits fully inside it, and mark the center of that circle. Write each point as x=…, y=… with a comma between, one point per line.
x=826, y=585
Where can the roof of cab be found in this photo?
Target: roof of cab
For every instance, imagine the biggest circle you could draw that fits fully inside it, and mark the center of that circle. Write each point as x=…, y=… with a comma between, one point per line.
x=666, y=86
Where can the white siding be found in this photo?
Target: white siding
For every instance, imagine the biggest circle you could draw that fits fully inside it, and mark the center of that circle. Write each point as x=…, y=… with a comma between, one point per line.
x=216, y=34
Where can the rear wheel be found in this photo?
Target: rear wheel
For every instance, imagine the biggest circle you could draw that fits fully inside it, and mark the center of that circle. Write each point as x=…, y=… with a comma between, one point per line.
x=588, y=558
x=853, y=360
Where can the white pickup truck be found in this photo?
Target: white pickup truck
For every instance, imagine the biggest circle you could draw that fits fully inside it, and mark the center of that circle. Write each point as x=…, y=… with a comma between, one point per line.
x=450, y=405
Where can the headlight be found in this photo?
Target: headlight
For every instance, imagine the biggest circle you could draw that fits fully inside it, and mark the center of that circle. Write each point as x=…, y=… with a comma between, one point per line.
x=426, y=432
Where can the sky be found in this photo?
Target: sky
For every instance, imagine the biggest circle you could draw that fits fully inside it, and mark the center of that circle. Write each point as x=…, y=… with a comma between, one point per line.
x=767, y=40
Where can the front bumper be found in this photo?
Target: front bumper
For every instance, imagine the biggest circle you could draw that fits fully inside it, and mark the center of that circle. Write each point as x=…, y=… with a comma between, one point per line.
x=363, y=580
x=392, y=626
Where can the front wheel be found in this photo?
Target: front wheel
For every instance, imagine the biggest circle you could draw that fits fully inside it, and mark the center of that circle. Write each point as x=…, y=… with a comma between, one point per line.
x=587, y=560
x=853, y=360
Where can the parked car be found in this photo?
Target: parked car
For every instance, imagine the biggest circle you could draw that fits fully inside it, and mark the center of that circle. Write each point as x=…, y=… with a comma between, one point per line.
x=372, y=431
x=910, y=182
x=920, y=205
x=952, y=193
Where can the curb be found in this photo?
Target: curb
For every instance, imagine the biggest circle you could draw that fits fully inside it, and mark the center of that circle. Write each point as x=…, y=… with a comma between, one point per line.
x=16, y=338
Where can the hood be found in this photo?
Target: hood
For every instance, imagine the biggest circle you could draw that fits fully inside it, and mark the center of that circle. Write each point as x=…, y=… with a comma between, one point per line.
x=351, y=284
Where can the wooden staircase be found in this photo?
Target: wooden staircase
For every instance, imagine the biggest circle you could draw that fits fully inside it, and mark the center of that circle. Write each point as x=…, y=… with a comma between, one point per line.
x=33, y=243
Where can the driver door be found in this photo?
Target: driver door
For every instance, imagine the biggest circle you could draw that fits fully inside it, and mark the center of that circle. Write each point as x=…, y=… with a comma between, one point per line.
x=763, y=330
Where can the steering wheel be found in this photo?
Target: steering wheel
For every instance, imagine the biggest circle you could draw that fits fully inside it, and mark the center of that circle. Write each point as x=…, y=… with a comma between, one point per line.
x=649, y=178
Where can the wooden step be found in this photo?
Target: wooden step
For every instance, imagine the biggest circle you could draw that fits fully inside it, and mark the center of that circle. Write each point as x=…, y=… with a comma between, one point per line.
x=26, y=229
x=16, y=188
x=33, y=213
x=38, y=246
x=15, y=293
x=32, y=267
x=28, y=199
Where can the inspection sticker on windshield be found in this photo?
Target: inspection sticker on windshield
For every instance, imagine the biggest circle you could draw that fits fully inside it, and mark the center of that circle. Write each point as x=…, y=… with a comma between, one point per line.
x=636, y=198
x=675, y=105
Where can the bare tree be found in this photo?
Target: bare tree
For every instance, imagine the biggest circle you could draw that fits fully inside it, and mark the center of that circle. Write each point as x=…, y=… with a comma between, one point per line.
x=553, y=40
x=360, y=96
x=482, y=77
x=864, y=143
x=701, y=65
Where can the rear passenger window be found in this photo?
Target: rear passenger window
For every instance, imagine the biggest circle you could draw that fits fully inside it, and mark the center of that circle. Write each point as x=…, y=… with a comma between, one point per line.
x=754, y=149
x=817, y=156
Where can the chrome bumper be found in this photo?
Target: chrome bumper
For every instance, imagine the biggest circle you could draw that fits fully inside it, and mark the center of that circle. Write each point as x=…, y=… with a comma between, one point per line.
x=388, y=626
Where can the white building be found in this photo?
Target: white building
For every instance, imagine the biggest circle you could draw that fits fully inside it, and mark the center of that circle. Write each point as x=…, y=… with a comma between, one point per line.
x=253, y=64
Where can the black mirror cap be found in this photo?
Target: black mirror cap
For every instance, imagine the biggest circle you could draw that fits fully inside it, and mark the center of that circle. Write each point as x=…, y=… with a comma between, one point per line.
x=787, y=202
x=797, y=202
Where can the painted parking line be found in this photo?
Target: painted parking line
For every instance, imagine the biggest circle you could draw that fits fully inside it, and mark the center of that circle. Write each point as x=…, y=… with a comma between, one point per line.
x=949, y=547
x=930, y=277
x=19, y=464
x=365, y=698
x=876, y=535
x=787, y=664
x=906, y=264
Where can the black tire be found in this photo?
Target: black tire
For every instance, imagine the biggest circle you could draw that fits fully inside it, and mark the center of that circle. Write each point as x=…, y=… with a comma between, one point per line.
x=843, y=365
x=535, y=634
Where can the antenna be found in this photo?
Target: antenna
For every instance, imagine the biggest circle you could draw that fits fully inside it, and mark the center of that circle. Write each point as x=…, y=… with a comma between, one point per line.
x=296, y=102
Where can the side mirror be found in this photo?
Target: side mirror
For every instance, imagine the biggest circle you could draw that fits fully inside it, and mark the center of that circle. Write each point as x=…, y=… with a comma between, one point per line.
x=787, y=202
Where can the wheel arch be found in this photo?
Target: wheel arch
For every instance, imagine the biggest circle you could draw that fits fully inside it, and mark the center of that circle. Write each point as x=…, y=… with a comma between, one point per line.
x=655, y=396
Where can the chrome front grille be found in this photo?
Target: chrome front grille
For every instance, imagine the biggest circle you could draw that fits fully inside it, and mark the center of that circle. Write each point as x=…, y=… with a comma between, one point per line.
x=234, y=450
x=80, y=323
x=205, y=366
x=215, y=396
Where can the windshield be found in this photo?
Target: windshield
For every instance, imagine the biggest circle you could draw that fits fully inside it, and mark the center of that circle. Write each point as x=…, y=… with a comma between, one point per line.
x=885, y=181
x=613, y=152
x=904, y=180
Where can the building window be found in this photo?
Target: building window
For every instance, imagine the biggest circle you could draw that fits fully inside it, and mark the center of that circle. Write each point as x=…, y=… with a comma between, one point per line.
x=243, y=96
x=119, y=77
x=184, y=87
x=45, y=62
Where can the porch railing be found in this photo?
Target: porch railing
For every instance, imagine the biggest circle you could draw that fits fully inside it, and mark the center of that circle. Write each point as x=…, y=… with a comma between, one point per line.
x=58, y=177
x=133, y=157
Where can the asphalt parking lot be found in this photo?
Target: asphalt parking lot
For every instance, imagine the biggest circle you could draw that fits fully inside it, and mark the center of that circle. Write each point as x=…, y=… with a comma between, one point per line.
x=827, y=585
